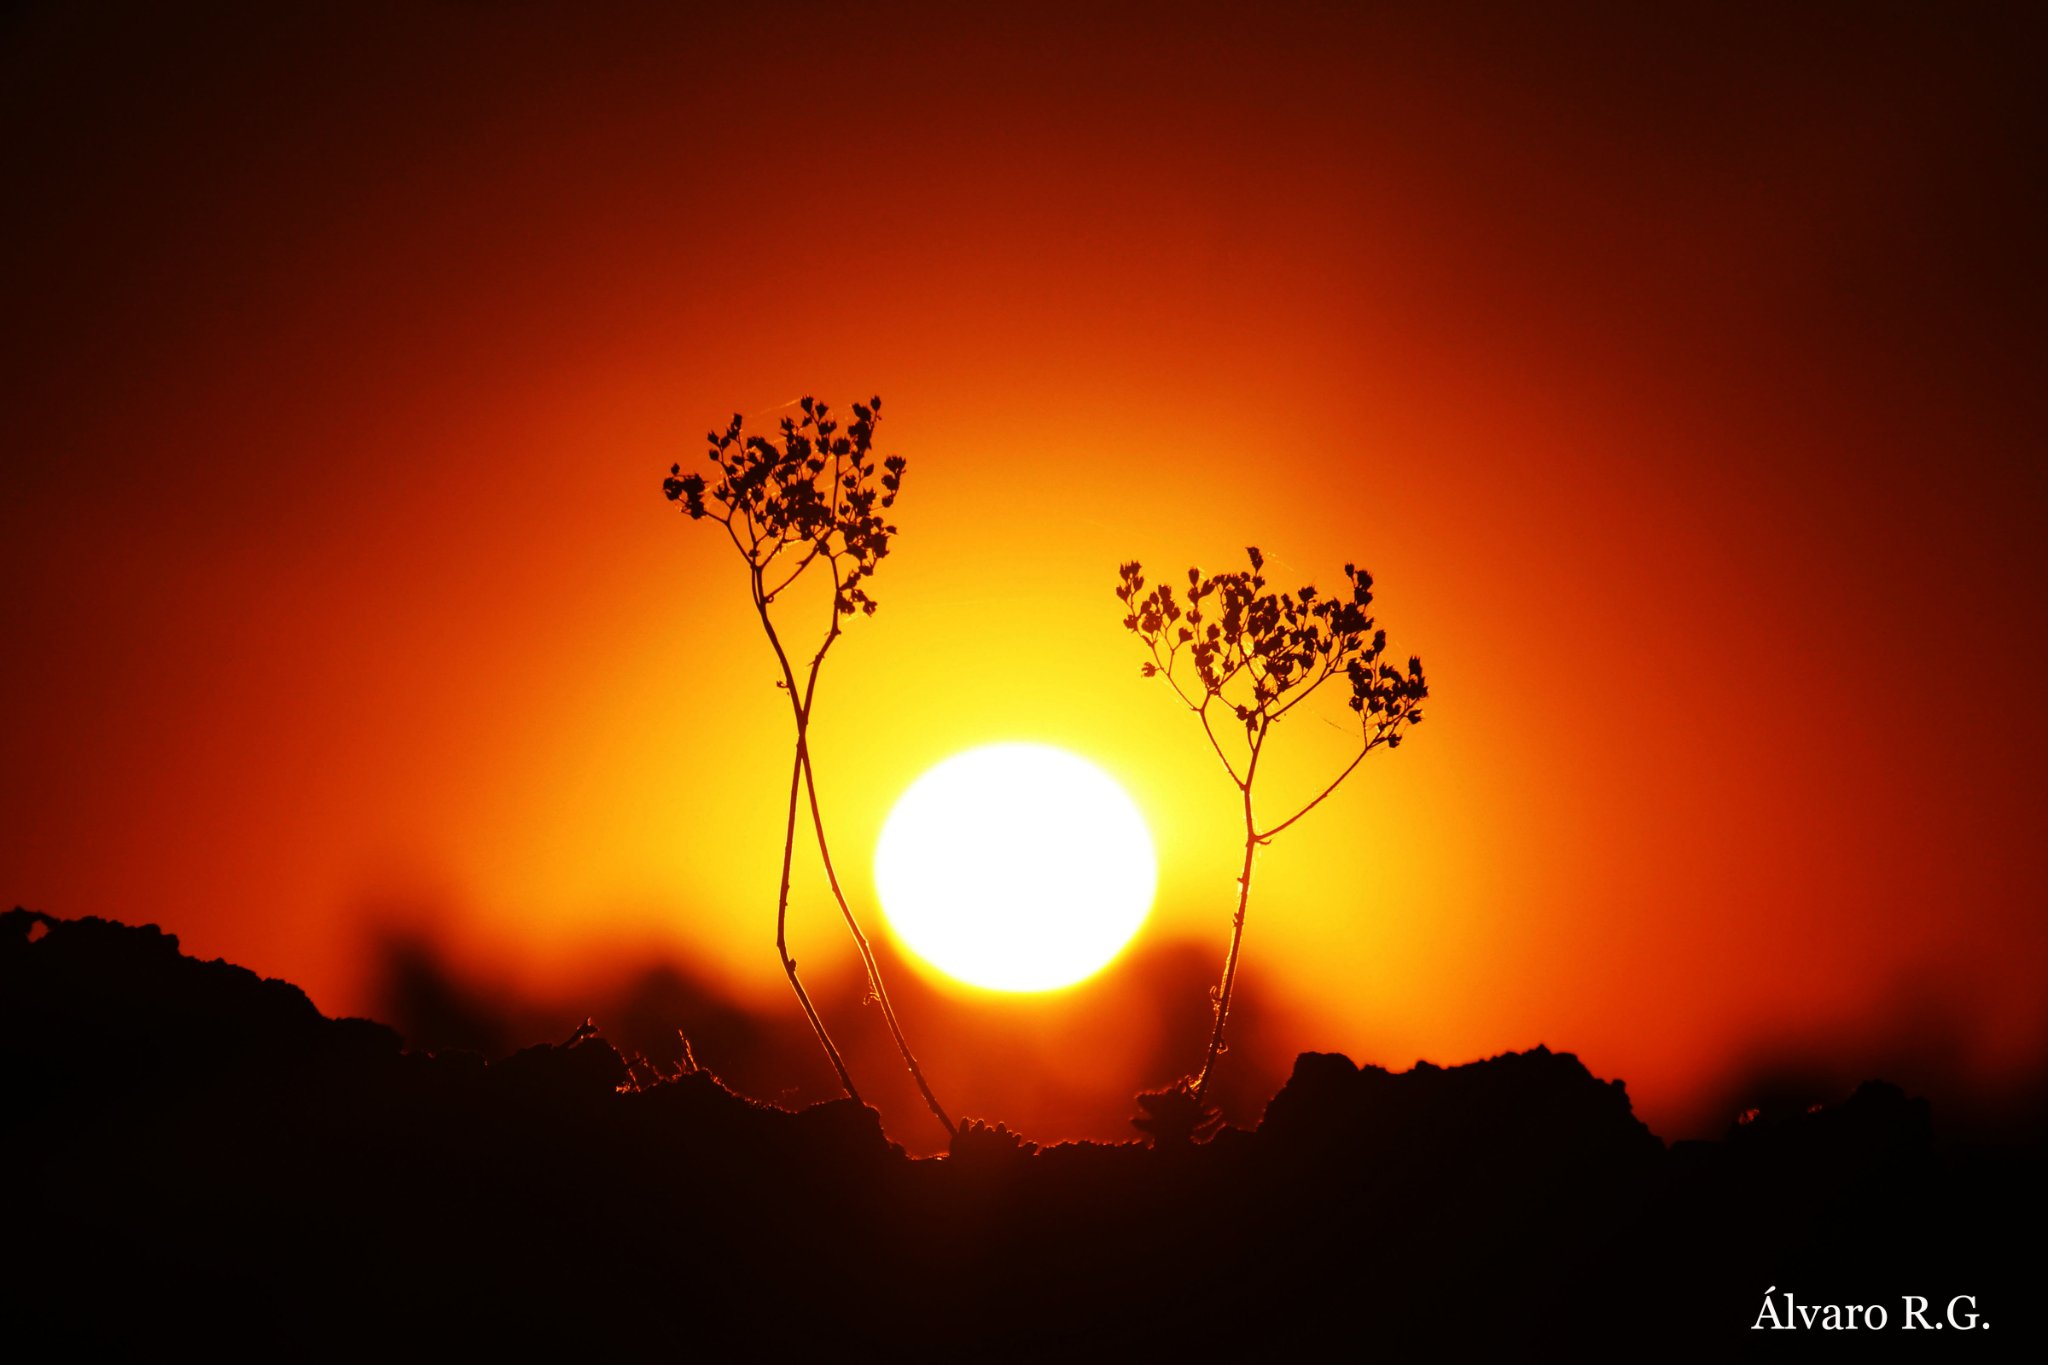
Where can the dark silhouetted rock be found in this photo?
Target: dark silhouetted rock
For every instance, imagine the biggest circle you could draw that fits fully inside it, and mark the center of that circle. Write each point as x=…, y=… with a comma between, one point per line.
x=202, y=1162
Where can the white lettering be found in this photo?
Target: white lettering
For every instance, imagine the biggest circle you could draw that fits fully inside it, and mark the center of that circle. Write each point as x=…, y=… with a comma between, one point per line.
x=1969, y=1319
x=1784, y=1313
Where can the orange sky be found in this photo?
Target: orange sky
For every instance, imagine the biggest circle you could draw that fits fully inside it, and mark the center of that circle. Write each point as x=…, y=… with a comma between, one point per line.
x=1677, y=378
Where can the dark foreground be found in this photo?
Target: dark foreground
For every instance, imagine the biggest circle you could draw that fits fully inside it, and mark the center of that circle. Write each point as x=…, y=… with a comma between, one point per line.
x=198, y=1158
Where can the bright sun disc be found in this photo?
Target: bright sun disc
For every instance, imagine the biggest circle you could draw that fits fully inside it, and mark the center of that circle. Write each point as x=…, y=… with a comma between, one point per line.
x=1016, y=867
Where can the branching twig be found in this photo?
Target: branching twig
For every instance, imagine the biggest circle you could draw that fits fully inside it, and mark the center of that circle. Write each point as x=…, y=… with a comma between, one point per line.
x=821, y=488
x=1260, y=654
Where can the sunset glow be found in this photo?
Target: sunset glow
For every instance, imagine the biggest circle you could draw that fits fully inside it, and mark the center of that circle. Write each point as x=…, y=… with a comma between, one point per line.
x=1016, y=867
x=1675, y=377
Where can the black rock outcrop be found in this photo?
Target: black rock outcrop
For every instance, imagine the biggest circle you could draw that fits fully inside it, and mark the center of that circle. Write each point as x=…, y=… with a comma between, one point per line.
x=200, y=1160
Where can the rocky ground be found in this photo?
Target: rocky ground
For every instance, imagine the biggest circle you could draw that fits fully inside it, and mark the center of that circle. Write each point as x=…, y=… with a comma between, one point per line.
x=200, y=1159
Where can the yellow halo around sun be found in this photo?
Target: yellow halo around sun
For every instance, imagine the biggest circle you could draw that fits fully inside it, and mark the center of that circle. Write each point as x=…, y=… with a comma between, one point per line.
x=1016, y=867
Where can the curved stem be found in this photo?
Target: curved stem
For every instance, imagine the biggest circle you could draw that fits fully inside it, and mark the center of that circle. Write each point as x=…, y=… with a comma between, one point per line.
x=1202, y=714
x=867, y=952
x=782, y=937
x=801, y=704
x=1324, y=794
x=796, y=774
x=1302, y=694
x=803, y=710
x=1244, y=891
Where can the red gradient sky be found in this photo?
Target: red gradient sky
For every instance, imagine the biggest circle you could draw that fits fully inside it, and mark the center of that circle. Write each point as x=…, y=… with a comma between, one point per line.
x=1677, y=373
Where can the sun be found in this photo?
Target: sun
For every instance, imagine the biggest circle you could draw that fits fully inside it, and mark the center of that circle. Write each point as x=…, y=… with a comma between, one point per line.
x=1015, y=867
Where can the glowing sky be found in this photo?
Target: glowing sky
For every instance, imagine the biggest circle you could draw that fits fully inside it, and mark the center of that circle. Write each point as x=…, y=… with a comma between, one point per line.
x=1676, y=375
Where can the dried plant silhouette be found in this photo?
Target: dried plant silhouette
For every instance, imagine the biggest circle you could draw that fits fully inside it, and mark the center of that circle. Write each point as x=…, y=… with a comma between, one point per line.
x=814, y=497
x=1242, y=657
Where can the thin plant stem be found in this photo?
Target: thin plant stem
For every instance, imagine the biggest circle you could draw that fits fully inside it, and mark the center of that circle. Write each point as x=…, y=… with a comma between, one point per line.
x=796, y=775
x=867, y=952
x=1323, y=795
x=801, y=708
x=1244, y=892
x=782, y=939
x=769, y=501
x=1278, y=649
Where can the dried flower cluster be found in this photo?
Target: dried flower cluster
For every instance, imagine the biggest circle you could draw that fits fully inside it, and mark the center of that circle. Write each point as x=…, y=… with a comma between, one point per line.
x=1240, y=656
x=813, y=491
x=1259, y=654
x=814, y=495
